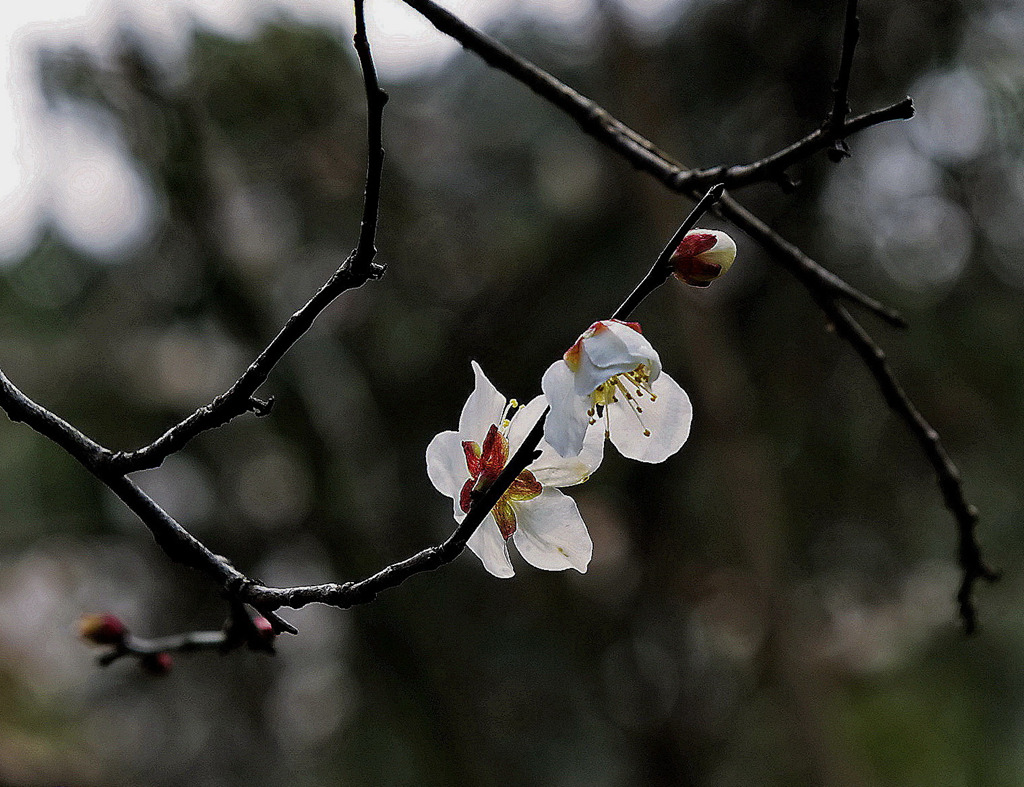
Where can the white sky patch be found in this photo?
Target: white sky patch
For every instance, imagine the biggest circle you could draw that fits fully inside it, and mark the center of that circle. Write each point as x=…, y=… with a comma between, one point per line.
x=97, y=198
x=651, y=16
x=64, y=167
x=952, y=122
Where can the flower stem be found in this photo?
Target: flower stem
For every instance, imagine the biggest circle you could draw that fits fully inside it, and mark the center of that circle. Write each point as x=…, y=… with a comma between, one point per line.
x=661, y=269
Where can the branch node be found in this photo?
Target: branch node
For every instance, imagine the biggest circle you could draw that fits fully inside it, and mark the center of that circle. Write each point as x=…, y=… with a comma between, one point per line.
x=261, y=407
x=837, y=151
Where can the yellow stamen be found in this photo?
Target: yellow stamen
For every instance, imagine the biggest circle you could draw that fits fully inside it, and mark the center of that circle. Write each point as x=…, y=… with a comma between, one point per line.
x=632, y=403
x=632, y=385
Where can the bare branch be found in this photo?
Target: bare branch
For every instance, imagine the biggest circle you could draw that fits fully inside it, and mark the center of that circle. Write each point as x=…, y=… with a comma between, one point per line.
x=240, y=629
x=971, y=562
x=357, y=269
x=189, y=642
x=814, y=277
x=183, y=547
x=597, y=122
x=831, y=134
x=841, y=89
x=824, y=286
x=376, y=99
x=774, y=166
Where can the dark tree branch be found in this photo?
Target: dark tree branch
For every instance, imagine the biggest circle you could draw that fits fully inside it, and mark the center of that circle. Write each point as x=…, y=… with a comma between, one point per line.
x=841, y=89
x=376, y=99
x=185, y=548
x=812, y=275
x=357, y=269
x=824, y=286
x=598, y=123
x=352, y=593
x=180, y=545
x=238, y=630
x=950, y=483
x=774, y=166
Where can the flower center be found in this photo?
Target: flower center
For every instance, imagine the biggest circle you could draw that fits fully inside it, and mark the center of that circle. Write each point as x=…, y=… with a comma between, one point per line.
x=631, y=387
x=485, y=464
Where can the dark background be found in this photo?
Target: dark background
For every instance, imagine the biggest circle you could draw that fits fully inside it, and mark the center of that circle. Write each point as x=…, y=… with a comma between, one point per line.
x=772, y=606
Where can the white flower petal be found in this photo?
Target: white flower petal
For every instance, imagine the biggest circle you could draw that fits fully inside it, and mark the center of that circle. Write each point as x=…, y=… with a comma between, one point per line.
x=551, y=469
x=446, y=467
x=446, y=464
x=488, y=545
x=523, y=420
x=615, y=350
x=602, y=355
x=567, y=422
x=639, y=348
x=604, y=352
x=483, y=408
x=723, y=252
x=550, y=533
x=668, y=419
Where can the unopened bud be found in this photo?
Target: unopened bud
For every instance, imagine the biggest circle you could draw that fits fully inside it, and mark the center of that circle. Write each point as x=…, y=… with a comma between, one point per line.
x=102, y=629
x=702, y=256
x=157, y=663
x=265, y=634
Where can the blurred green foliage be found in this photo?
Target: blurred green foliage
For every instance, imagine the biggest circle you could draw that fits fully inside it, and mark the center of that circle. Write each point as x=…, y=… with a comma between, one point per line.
x=772, y=606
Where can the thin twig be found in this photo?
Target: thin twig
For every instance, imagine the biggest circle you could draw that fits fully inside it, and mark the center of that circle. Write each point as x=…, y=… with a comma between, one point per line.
x=357, y=269
x=189, y=642
x=773, y=166
x=841, y=89
x=239, y=630
x=376, y=99
x=662, y=269
x=948, y=475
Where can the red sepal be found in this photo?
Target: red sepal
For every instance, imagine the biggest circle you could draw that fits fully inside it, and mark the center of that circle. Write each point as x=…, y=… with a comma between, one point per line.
x=472, y=451
x=694, y=243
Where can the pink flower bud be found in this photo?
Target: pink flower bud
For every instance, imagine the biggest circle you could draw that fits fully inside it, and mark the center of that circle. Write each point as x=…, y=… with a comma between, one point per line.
x=158, y=664
x=102, y=629
x=265, y=634
x=702, y=256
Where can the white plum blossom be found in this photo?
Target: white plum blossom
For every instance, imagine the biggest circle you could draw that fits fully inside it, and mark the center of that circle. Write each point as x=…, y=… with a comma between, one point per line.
x=612, y=375
x=702, y=256
x=544, y=524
